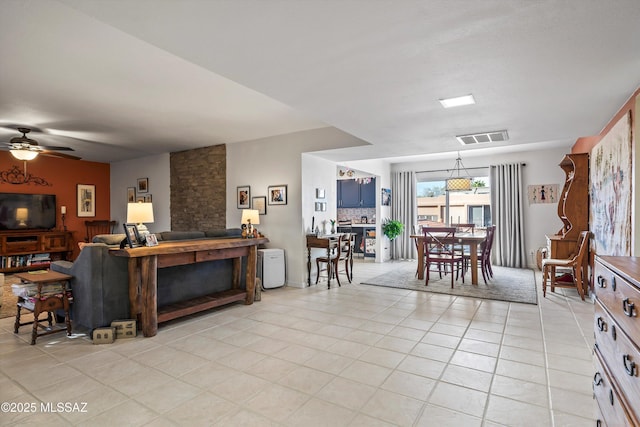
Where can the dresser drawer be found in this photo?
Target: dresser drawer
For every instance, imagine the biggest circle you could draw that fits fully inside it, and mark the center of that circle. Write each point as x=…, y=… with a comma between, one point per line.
x=620, y=297
x=612, y=408
x=619, y=353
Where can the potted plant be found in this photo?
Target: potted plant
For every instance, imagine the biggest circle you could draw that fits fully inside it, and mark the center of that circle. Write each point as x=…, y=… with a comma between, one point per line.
x=392, y=228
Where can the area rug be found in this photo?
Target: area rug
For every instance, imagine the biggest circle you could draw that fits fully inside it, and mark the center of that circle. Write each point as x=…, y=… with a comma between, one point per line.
x=507, y=284
x=8, y=299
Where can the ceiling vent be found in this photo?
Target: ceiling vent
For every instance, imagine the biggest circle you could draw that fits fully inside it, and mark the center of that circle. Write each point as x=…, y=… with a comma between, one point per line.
x=481, y=138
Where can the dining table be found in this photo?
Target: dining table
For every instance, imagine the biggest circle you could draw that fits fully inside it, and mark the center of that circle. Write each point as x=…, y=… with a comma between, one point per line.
x=470, y=239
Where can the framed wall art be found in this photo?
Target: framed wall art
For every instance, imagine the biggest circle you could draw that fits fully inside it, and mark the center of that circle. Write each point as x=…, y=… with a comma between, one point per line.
x=244, y=197
x=131, y=194
x=277, y=194
x=320, y=194
x=260, y=204
x=148, y=198
x=86, y=195
x=143, y=185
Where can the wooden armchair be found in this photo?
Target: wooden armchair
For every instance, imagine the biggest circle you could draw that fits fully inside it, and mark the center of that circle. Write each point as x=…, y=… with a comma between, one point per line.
x=102, y=226
x=576, y=277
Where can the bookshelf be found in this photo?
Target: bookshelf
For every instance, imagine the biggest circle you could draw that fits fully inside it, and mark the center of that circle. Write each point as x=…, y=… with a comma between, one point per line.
x=32, y=249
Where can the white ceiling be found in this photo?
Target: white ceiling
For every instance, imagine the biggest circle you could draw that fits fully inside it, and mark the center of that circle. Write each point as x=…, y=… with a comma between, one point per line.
x=122, y=79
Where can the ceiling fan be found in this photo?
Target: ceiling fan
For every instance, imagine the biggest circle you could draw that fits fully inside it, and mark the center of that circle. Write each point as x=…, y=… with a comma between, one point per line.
x=25, y=148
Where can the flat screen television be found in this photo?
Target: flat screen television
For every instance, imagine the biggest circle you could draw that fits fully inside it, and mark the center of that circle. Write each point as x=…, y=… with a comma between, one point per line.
x=27, y=211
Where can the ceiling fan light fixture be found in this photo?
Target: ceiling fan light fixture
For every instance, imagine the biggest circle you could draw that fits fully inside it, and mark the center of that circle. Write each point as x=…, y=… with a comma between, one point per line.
x=458, y=101
x=22, y=154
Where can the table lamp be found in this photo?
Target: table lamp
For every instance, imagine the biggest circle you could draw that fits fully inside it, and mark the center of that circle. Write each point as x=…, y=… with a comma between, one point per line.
x=139, y=213
x=22, y=215
x=250, y=217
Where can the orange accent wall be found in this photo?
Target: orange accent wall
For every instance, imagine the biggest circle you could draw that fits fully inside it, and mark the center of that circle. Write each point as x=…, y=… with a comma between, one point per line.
x=63, y=175
x=585, y=144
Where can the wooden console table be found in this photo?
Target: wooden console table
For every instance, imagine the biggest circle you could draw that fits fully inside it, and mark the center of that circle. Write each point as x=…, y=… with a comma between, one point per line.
x=144, y=263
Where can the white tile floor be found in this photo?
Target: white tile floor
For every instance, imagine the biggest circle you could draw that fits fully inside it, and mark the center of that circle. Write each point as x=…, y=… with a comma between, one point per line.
x=354, y=356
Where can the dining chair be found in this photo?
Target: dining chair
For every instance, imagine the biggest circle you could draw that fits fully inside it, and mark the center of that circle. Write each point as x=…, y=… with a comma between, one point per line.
x=333, y=259
x=439, y=252
x=571, y=270
x=95, y=227
x=484, y=255
x=348, y=243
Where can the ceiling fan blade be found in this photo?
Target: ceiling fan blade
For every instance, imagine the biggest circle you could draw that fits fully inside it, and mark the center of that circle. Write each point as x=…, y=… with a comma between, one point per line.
x=60, y=155
x=53, y=148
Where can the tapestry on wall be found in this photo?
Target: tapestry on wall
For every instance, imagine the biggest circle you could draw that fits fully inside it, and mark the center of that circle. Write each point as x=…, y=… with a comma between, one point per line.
x=610, y=210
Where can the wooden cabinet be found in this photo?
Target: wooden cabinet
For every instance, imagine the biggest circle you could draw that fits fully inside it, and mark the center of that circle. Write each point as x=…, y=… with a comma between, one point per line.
x=32, y=250
x=573, y=206
x=616, y=383
x=352, y=194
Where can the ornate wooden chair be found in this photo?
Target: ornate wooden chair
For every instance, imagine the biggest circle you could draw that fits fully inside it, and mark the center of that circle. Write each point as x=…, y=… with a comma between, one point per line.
x=333, y=260
x=101, y=226
x=573, y=279
x=439, y=251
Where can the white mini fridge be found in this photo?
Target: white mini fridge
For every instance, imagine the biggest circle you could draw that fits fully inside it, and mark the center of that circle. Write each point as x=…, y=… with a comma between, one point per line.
x=271, y=267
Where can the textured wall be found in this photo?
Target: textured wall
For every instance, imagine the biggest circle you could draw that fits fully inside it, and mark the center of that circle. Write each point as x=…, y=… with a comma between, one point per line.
x=198, y=189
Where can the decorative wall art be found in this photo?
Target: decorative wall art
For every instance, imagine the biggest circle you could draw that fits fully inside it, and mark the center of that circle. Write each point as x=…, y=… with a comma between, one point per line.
x=260, y=204
x=321, y=206
x=277, y=194
x=143, y=185
x=610, y=177
x=386, y=197
x=320, y=194
x=86, y=200
x=148, y=198
x=542, y=193
x=131, y=194
x=244, y=197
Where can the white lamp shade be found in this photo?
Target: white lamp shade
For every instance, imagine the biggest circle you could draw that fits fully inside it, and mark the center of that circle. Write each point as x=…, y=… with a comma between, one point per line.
x=22, y=214
x=458, y=184
x=24, y=154
x=139, y=213
x=250, y=215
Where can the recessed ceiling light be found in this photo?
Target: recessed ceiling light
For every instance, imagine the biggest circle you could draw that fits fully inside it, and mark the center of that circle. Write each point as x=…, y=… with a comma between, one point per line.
x=457, y=101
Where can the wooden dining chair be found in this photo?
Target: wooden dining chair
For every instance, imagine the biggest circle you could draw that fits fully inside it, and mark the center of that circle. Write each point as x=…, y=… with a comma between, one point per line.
x=333, y=260
x=348, y=244
x=484, y=255
x=102, y=226
x=439, y=252
x=571, y=274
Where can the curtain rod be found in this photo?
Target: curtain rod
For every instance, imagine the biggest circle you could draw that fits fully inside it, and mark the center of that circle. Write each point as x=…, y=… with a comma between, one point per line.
x=451, y=170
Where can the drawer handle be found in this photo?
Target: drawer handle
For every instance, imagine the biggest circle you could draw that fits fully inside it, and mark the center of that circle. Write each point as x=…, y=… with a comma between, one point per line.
x=613, y=283
x=613, y=332
x=602, y=282
x=628, y=307
x=597, y=379
x=611, y=397
x=629, y=366
x=602, y=325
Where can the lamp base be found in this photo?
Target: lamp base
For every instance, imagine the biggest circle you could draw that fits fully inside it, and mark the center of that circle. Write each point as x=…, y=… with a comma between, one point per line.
x=143, y=232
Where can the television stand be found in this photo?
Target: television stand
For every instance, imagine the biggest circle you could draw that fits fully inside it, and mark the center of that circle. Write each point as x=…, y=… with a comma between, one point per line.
x=32, y=249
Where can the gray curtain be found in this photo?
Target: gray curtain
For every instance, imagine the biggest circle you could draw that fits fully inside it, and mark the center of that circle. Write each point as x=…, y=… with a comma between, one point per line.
x=507, y=207
x=404, y=209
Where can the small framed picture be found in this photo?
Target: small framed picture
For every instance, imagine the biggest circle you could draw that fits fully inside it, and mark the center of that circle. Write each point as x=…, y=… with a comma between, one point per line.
x=152, y=240
x=147, y=198
x=277, y=194
x=260, y=204
x=143, y=185
x=140, y=199
x=86, y=200
x=386, y=197
x=133, y=237
x=244, y=197
x=131, y=194
x=320, y=193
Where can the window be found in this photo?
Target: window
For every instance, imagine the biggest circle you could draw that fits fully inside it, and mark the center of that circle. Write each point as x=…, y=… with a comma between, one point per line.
x=472, y=206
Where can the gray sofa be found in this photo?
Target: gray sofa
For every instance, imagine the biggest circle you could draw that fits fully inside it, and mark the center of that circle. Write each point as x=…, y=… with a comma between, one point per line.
x=100, y=281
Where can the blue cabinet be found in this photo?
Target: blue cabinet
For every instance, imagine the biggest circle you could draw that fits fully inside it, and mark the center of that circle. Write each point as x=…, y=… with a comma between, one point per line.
x=368, y=194
x=351, y=194
x=348, y=194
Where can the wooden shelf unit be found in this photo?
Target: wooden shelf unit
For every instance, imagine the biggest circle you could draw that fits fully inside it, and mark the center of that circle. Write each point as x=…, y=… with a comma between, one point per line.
x=18, y=246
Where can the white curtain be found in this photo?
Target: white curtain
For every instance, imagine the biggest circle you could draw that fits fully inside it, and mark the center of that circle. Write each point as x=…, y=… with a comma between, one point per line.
x=507, y=207
x=404, y=209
